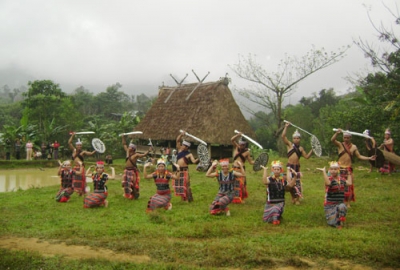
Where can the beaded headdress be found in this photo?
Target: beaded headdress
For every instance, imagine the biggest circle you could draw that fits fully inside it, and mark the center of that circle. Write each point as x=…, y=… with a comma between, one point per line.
x=223, y=162
x=296, y=134
x=334, y=164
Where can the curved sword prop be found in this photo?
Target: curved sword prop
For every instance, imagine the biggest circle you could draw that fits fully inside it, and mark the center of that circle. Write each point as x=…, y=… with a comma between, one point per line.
x=354, y=133
x=84, y=132
x=250, y=139
x=130, y=133
x=194, y=137
x=299, y=128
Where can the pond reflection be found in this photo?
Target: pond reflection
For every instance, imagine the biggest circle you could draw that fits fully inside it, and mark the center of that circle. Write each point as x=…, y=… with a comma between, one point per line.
x=12, y=180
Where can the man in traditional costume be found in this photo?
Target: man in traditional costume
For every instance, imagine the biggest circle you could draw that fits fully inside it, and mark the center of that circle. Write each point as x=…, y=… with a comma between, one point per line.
x=347, y=151
x=131, y=177
x=276, y=186
x=226, y=180
x=335, y=185
x=79, y=180
x=162, y=177
x=66, y=174
x=182, y=185
x=100, y=193
x=294, y=153
x=240, y=154
x=387, y=145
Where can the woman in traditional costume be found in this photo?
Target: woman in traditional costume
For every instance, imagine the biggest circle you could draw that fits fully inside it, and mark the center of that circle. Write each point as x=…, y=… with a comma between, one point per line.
x=226, y=179
x=276, y=186
x=294, y=153
x=66, y=174
x=388, y=146
x=334, y=206
x=162, y=177
x=100, y=193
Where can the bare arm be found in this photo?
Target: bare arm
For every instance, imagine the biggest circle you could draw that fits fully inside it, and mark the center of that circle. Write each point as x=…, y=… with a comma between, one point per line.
x=71, y=146
x=265, y=176
x=285, y=140
x=242, y=172
x=124, y=143
x=333, y=139
x=233, y=139
x=249, y=159
x=326, y=178
x=145, y=174
x=191, y=157
x=178, y=140
x=306, y=156
x=358, y=155
x=211, y=171
x=88, y=170
x=112, y=173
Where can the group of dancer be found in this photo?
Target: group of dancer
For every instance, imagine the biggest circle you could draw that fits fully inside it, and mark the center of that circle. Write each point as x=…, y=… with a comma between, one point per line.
x=339, y=180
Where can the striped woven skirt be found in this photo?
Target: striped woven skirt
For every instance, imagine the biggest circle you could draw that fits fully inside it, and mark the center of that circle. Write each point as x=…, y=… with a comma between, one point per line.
x=333, y=213
x=182, y=186
x=221, y=202
x=159, y=201
x=95, y=200
x=273, y=211
x=349, y=194
x=64, y=194
x=79, y=181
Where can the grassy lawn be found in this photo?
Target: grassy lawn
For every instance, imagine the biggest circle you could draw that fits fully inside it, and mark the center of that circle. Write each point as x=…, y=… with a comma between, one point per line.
x=188, y=237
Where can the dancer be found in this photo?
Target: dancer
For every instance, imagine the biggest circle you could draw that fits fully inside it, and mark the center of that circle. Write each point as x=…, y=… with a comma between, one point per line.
x=276, y=185
x=162, y=177
x=347, y=151
x=131, y=178
x=294, y=153
x=66, y=174
x=226, y=180
x=182, y=185
x=335, y=209
x=79, y=179
x=100, y=193
x=241, y=154
x=370, y=144
x=387, y=145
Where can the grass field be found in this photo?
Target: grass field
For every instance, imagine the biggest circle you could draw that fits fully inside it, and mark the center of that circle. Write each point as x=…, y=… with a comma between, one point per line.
x=188, y=237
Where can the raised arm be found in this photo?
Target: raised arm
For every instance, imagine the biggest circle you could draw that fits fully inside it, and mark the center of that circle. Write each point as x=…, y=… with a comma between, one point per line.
x=265, y=175
x=88, y=170
x=285, y=140
x=145, y=174
x=112, y=173
x=333, y=139
x=234, y=139
x=124, y=143
x=178, y=139
x=71, y=146
x=326, y=178
x=211, y=171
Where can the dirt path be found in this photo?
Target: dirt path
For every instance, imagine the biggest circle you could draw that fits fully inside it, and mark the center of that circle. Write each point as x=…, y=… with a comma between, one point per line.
x=85, y=252
x=73, y=251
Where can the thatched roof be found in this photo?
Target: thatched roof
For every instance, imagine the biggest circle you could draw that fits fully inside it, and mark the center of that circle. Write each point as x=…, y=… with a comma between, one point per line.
x=210, y=114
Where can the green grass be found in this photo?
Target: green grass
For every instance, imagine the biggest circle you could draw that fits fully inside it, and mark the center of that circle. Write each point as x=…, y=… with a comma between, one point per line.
x=188, y=237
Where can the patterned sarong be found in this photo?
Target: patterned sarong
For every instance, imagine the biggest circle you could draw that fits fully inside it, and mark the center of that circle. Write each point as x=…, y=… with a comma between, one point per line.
x=182, y=185
x=221, y=202
x=64, y=194
x=273, y=211
x=79, y=181
x=349, y=194
x=159, y=201
x=334, y=213
x=95, y=199
x=130, y=185
x=240, y=188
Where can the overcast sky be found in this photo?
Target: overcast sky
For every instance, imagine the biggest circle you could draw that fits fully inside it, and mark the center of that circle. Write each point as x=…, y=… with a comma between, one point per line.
x=96, y=43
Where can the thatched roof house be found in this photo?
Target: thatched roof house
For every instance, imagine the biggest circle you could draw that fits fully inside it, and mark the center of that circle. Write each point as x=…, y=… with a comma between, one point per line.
x=207, y=111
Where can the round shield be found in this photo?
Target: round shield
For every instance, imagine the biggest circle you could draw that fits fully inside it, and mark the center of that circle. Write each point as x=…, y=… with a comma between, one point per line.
x=379, y=159
x=98, y=145
x=316, y=146
x=261, y=160
x=202, y=153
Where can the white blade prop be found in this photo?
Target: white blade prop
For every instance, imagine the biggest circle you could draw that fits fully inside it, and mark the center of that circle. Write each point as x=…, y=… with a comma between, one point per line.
x=354, y=133
x=194, y=137
x=250, y=139
x=84, y=132
x=130, y=133
x=315, y=144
